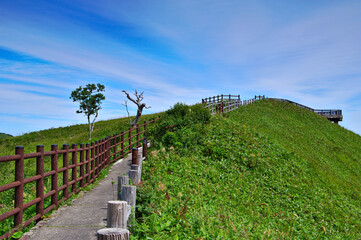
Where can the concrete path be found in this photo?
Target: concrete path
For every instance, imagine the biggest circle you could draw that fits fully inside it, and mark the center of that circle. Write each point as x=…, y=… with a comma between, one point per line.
x=85, y=215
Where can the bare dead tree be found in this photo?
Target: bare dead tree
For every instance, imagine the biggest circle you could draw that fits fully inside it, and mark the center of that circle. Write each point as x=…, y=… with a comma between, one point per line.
x=138, y=101
x=126, y=107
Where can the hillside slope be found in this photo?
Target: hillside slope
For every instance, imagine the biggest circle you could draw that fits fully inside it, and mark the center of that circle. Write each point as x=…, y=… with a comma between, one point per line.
x=267, y=170
x=4, y=135
x=332, y=151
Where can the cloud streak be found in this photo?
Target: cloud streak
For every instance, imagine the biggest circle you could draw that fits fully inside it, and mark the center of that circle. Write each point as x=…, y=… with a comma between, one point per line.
x=179, y=51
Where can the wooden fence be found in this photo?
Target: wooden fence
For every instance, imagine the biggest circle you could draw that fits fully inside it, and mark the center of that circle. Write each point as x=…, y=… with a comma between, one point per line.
x=334, y=115
x=226, y=103
x=81, y=165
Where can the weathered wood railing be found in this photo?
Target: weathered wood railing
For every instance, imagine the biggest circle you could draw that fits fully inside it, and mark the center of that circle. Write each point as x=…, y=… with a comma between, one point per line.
x=226, y=103
x=80, y=167
x=334, y=115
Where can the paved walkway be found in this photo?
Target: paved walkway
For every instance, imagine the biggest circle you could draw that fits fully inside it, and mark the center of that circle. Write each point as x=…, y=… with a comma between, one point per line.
x=83, y=216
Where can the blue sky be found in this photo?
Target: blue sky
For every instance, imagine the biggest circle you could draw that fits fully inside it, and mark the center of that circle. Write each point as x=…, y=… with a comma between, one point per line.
x=175, y=51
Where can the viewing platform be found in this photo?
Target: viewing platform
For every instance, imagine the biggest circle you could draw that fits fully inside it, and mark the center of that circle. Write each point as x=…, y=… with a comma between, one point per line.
x=334, y=115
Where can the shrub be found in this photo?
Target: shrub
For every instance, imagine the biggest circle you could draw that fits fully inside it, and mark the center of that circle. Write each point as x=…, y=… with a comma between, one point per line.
x=199, y=114
x=178, y=110
x=169, y=139
x=177, y=128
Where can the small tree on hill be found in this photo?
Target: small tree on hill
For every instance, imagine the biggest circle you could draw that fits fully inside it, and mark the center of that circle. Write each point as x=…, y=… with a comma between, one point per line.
x=90, y=99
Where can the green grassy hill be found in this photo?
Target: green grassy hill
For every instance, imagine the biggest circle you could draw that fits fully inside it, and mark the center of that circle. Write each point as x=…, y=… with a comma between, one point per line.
x=270, y=170
x=4, y=135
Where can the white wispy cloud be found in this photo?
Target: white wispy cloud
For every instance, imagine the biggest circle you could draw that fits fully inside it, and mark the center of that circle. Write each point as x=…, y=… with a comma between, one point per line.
x=185, y=50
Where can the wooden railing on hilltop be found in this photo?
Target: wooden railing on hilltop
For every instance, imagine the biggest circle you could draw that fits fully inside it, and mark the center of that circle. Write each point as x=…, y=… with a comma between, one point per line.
x=81, y=166
x=226, y=103
x=334, y=115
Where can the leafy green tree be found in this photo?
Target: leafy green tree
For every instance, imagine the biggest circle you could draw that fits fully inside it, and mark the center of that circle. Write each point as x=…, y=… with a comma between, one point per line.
x=90, y=99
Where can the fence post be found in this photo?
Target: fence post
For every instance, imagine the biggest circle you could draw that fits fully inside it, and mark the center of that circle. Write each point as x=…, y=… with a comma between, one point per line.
x=135, y=156
x=129, y=194
x=106, y=146
x=82, y=165
x=96, y=153
x=97, y=158
x=145, y=130
x=229, y=97
x=117, y=214
x=100, y=158
x=19, y=190
x=130, y=140
x=92, y=160
x=122, y=144
x=140, y=166
x=145, y=146
x=66, y=171
x=40, y=182
x=88, y=162
x=113, y=233
x=54, y=177
x=137, y=129
x=103, y=154
x=115, y=147
x=134, y=174
x=122, y=180
x=74, y=158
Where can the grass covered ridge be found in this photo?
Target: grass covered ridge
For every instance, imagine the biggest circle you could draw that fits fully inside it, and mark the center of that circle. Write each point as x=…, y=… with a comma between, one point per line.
x=268, y=170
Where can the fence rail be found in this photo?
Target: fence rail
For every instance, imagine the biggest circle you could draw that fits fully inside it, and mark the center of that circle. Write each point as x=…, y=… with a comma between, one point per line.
x=331, y=112
x=334, y=115
x=226, y=103
x=80, y=167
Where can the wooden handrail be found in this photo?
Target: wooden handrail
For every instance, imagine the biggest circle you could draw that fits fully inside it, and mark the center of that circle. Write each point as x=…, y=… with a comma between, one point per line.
x=88, y=161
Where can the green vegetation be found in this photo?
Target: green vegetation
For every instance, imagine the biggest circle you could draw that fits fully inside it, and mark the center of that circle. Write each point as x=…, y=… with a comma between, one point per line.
x=269, y=170
x=4, y=135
